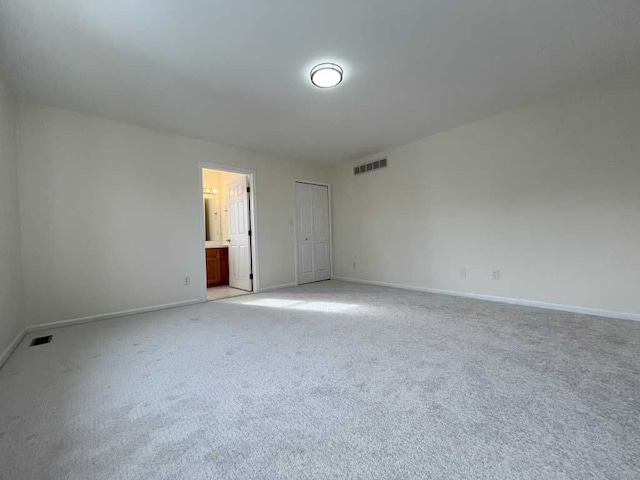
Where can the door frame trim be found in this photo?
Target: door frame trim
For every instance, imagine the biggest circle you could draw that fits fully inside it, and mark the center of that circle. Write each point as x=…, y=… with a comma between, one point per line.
x=295, y=223
x=253, y=217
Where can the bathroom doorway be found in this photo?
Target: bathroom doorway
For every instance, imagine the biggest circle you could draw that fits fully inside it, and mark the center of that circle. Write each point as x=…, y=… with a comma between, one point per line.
x=228, y=217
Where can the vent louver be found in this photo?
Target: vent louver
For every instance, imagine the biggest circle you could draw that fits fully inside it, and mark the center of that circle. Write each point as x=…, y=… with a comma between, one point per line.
x=370, y=167
x=41, y=340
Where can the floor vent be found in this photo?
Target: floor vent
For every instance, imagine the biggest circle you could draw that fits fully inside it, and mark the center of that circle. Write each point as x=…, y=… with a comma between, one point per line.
x=41, y=340
x=370, y=167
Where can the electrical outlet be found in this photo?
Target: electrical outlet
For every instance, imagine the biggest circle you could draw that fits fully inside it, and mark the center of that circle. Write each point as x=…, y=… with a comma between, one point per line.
x=187, y=280
x=463, y=272
x=354, y=265
x=495, y=275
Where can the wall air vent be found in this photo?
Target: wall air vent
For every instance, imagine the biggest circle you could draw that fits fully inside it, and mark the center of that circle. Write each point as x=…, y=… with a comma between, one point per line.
x=40, y=340
x=370, y=167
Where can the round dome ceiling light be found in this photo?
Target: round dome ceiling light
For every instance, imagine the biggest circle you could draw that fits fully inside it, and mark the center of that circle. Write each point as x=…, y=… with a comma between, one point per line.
x=326, y=75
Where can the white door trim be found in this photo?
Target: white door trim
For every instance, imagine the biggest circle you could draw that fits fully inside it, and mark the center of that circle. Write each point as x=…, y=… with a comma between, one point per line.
x=253, y=216
x=295, y=222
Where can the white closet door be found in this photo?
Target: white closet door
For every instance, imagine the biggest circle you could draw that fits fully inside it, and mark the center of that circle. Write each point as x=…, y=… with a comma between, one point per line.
x=304, y=204
x=321, y=232
x=313, y=232
x=239, y=241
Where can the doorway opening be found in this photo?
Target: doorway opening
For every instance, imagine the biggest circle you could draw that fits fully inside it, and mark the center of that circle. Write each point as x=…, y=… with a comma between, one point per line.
x=228, y=213
x=313, y=231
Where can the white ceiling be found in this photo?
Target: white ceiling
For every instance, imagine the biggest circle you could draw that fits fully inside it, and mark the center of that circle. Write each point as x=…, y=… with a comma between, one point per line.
x=236, y=71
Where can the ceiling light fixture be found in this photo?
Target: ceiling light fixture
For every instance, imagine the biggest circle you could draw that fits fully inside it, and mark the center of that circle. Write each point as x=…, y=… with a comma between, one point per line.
x=326, y=75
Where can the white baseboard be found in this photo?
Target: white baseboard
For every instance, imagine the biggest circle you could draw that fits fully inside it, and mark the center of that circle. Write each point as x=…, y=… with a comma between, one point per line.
x=278, y=287
x=12, y=346
x=513, y=301
x=106, y=316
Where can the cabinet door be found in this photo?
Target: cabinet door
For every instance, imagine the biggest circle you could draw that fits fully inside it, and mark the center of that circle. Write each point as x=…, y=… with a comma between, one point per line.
x=217, y=267
x=213, y=267
x=224, y=267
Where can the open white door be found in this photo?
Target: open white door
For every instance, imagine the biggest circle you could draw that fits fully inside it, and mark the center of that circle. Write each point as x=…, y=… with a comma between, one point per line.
x=240, y=273
x=321, y=232
x=313, y=232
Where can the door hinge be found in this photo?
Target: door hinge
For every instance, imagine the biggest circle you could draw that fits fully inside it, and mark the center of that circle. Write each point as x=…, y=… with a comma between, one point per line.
x=248, y=189
x=251, y=276
x=249, y=232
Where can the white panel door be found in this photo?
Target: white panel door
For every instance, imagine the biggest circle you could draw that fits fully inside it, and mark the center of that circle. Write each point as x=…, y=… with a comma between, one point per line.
x=304, y=207
x=321, y=232
x=239, y=237
x=313, y=232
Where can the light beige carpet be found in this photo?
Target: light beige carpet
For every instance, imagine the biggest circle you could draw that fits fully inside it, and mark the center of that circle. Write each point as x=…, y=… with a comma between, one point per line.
x=327, y=381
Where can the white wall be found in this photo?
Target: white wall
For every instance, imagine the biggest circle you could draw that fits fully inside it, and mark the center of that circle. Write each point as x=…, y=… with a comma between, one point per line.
x=548, y=194
x=10, y=269
x=110, y=214
x=210, y=178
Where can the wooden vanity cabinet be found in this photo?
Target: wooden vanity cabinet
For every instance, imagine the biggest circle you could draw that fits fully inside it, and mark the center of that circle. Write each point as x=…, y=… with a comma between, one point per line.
x=217, y=267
